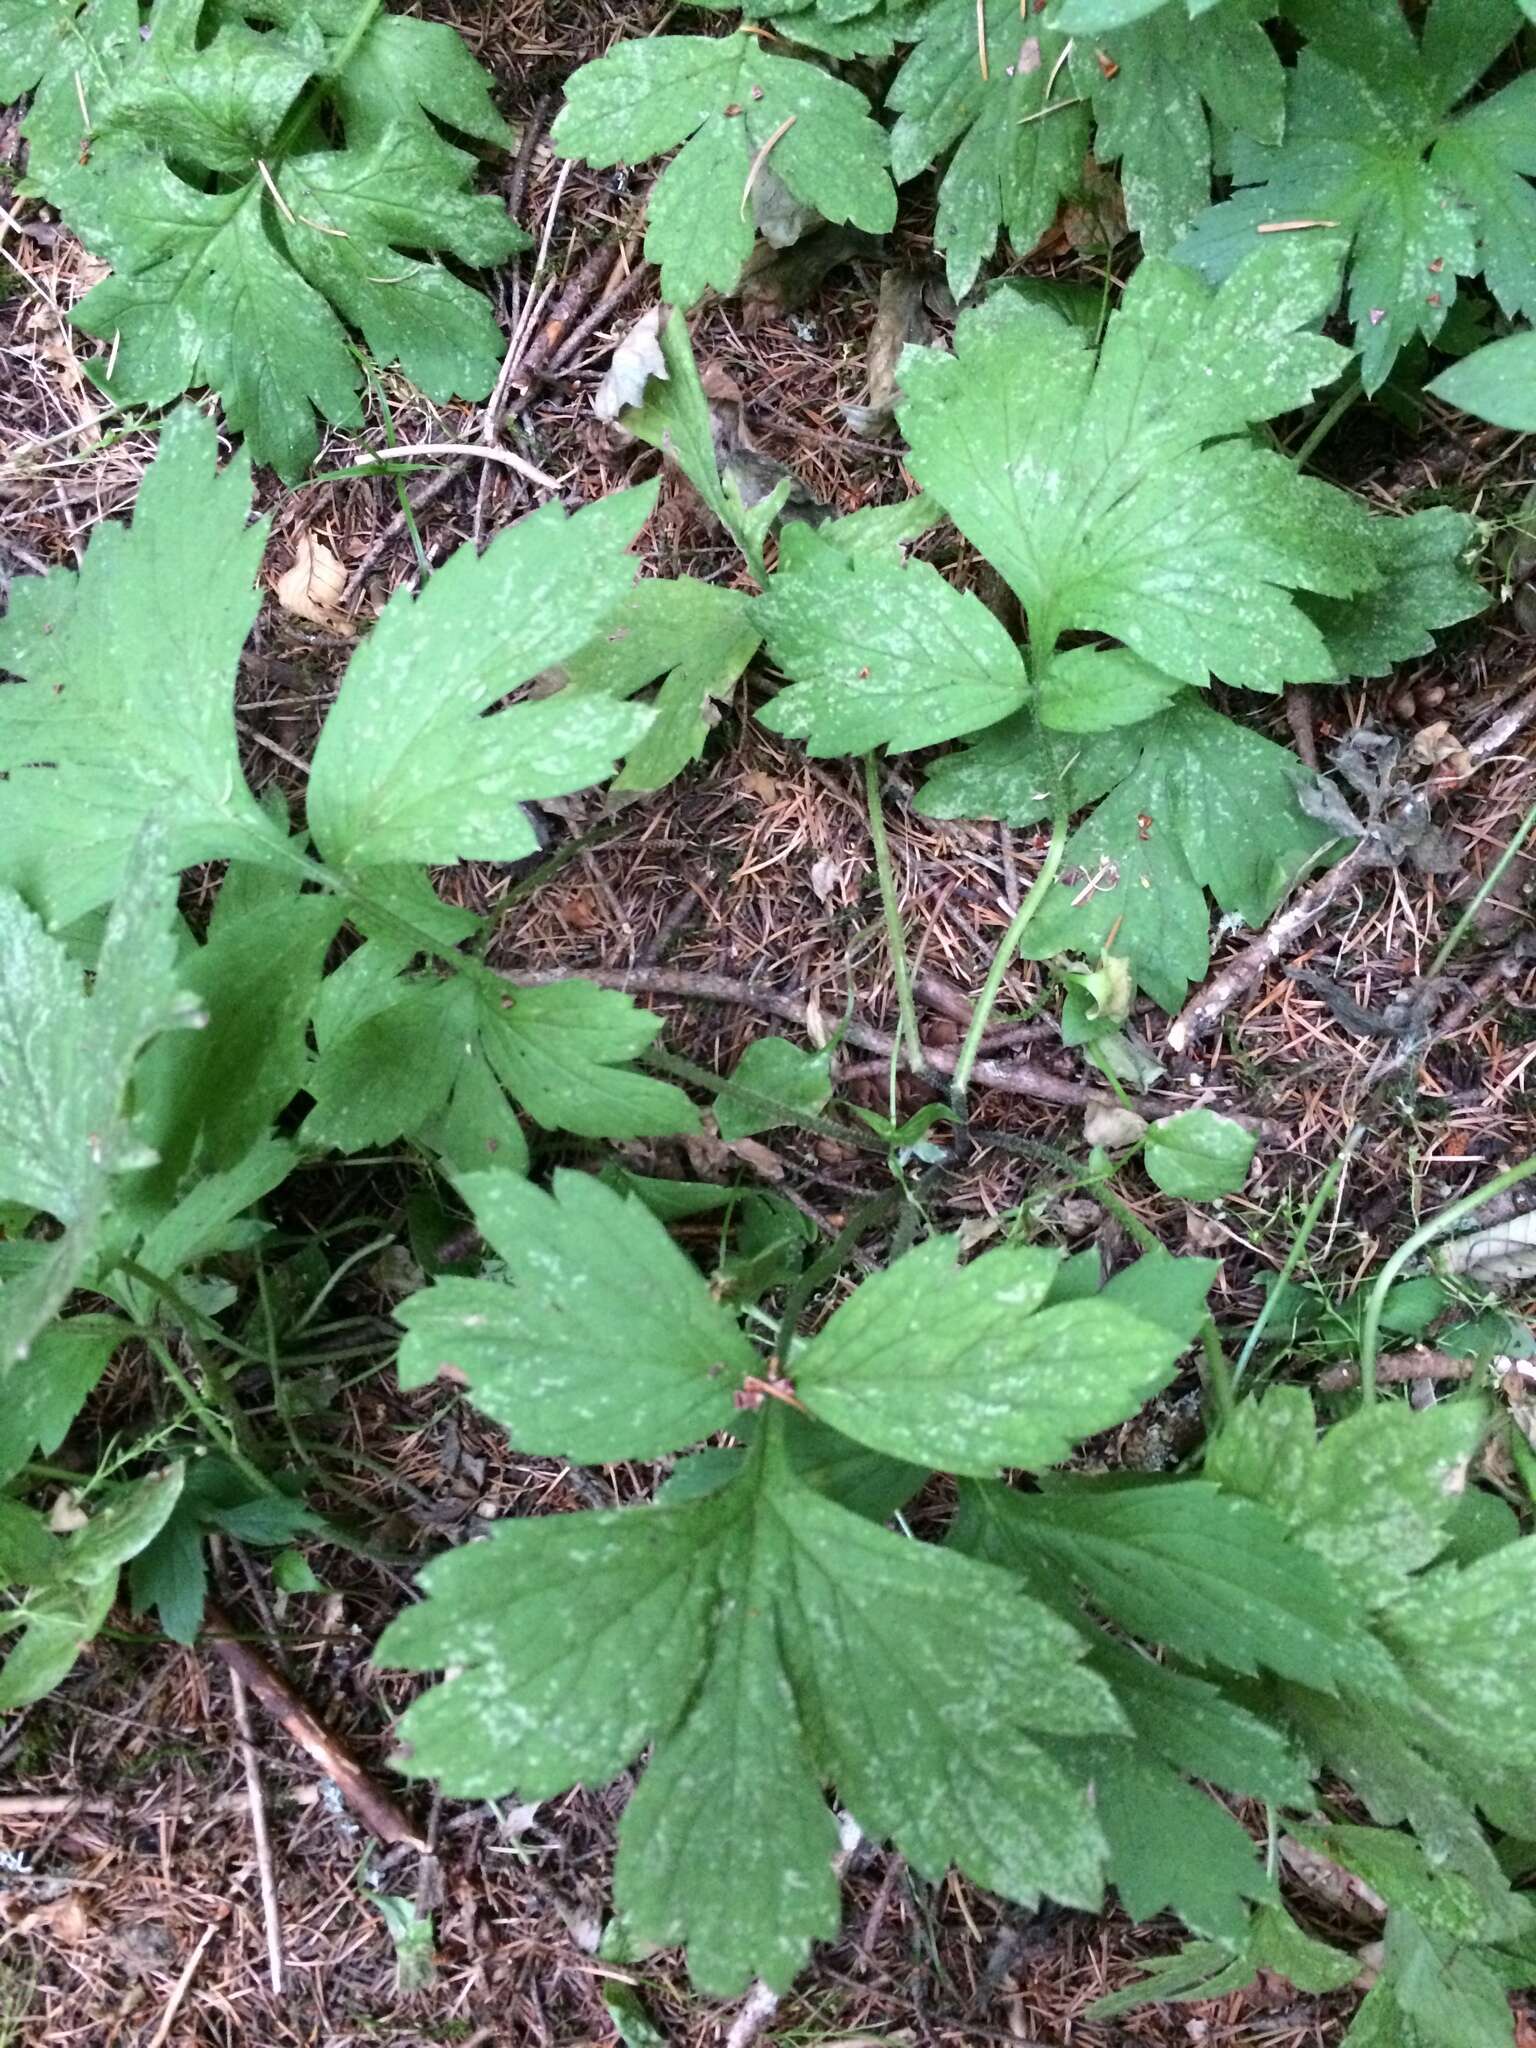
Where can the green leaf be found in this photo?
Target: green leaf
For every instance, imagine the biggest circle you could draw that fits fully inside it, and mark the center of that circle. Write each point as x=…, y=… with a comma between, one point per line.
x=261, y=193
x=606, y=1346
x=1126, y=496
x=1427, y=584
x=403, y=72
x=1497, y=383
x=1173, y=1847
x=675, y=417
x=1020, y=133
x=1373, y=1497
x=435, y=1059
x=728, y=101
x=59, y=1621
x=67, y=1059
x=1198, y=1155
x=1432, y=1993
x=763, y=1640
x=1216, y=1579
x=1091, y=689
x=1208, y=1969
x=698, y=638
x=1193, y=1725
x=963, y=1366
x=1460, y=1639
x=1419, y=193
x=774, y=1083
x=414, y=1943
x=408, y=767
x=561, y=1051
x=1151, y=81
x=59, y=51
x=882, y=655
x=208, y=1103
x=1195, y=803
x=45, y=1393
x=126, y=706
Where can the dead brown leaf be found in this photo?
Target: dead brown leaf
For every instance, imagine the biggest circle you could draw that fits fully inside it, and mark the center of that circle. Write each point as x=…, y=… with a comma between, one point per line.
x=312, y=589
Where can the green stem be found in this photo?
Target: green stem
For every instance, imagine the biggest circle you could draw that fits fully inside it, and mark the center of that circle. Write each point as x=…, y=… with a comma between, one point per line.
x=829, y=1265
x=1489, y=883
x=895, y=928
x=1002, y=960
x=1330, y=419
x=1298, y=1246
x=1370, y=1326
x=212, y=1422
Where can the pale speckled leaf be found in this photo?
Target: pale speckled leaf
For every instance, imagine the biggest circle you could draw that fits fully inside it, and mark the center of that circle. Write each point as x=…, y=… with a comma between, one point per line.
x=1195, y=1727
x=561, y=1052
x=697, y=637
x=550, y=1690
x=1427, y=584
x=1219, y=1580
x=1020, y=132
x=241, y=252
x=1093, y=689
x=127, y=691
x=407, y=767
x=764, y=1640
x=1151, y=81
x=1196, y=802
x=66, y=1062
x=1198, y=1155
x=880, y=654
x=963, y=1367
x=1123, y=494
x=725, y=99
x=1420, y=194
x=607, y=1343
x=1374, y=1496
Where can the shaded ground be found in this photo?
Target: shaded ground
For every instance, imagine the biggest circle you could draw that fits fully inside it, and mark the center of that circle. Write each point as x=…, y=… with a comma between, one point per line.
x=132, y=1911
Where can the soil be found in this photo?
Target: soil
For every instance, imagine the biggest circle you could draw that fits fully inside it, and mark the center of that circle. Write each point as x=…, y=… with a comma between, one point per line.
x=130, y=1879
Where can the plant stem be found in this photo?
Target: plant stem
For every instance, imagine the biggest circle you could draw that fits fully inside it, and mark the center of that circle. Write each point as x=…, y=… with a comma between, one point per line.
x=1370, y=1327
x=1298, y=1246
x=1002, y=960
x=1486, y=887
x=896, y=934
x=212, y=1422
x=1343, y=400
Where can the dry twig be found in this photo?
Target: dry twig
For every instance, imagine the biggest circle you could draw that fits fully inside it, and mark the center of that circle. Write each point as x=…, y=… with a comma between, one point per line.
x=366, y=1797
x=1016, y=1077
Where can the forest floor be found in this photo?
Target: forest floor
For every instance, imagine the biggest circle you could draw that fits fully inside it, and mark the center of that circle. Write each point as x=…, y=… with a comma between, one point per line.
x=130, y=1878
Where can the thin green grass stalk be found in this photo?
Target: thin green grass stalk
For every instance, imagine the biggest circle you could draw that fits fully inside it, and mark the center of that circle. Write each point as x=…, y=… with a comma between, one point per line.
x=1002, y=960
x=1437, y=1226
x=1486, y=887
x=896, y=932
x=1330, y=419
x=1297, y=1249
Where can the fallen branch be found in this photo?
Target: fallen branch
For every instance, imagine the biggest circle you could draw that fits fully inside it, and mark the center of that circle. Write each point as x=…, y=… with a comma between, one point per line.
x=1398, y=1368
x=366, y=1797
x=1209, y=1005
x=270, y=1914
x=1013, y=1077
